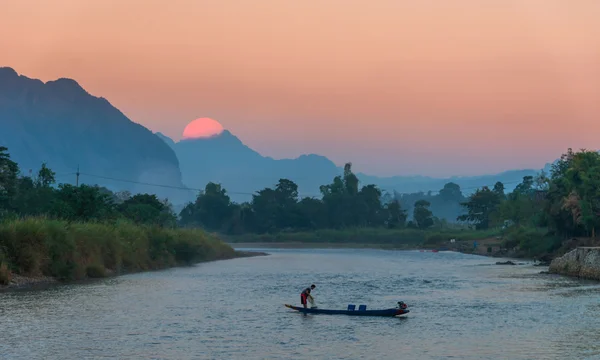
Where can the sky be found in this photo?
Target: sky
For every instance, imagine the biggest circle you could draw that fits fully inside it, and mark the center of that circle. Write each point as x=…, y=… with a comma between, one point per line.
x=429, y=87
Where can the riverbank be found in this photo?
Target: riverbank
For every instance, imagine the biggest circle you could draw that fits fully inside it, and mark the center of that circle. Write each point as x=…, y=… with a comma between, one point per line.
x=20, y=282
x=365, y=237
x=38, y=251
x=517, y=242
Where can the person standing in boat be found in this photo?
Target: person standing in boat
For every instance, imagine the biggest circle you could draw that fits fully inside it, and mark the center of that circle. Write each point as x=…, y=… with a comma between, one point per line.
x=305, y=295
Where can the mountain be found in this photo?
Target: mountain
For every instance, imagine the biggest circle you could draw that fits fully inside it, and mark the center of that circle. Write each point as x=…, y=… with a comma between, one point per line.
x=60, y=123
x=242, y=171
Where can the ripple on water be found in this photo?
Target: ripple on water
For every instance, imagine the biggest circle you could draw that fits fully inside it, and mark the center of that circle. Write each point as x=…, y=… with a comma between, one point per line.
x=460, y=308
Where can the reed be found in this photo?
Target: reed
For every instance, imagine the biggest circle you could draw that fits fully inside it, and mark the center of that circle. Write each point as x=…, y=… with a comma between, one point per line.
x=72, y=251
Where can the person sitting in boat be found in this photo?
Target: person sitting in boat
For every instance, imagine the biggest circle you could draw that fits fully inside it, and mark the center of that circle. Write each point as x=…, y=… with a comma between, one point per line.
x=305, y=295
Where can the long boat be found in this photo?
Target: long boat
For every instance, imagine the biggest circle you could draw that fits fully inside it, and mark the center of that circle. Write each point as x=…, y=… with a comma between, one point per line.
x=384, y=312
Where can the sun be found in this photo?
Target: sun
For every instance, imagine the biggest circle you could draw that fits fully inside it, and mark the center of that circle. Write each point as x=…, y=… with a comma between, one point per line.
x=202, y=128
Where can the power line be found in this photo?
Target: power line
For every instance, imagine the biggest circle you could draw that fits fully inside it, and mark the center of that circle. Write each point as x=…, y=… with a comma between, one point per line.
x=254, y=193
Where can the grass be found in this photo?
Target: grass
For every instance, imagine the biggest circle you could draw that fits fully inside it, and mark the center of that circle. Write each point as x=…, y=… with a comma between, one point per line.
x=72, y=251
x=395, y=238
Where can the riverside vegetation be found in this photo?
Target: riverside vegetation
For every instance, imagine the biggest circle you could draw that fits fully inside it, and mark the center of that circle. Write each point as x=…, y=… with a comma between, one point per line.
x=84, y=230
x=74, y=232
x=542, y=217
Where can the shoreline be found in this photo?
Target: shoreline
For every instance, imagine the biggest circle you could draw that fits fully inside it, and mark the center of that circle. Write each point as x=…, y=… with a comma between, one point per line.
x=325, y=245
x=21, y=282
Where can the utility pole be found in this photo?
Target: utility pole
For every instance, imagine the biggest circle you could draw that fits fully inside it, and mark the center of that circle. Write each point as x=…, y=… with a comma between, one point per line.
x=77, y=178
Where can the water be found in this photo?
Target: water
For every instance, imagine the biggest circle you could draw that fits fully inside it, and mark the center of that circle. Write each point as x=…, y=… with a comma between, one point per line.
x=462, y=307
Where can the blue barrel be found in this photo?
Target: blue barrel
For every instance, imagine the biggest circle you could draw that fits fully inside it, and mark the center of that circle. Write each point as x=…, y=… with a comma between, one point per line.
x=362, y=307
x=351, y=307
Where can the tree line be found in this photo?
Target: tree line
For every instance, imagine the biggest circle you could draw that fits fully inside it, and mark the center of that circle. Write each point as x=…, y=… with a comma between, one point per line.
x=38, y=196
x=342, y=204
x=566, y=202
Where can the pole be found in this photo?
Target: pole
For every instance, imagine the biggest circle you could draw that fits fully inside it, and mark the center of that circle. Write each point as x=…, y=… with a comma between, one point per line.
x=77, y=178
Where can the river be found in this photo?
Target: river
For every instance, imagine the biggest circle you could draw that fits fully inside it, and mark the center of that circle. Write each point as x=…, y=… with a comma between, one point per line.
x=462, y=307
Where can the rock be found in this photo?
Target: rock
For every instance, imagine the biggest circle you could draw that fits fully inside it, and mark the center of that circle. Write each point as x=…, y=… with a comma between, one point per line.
x=505, y=263
x=582, y=262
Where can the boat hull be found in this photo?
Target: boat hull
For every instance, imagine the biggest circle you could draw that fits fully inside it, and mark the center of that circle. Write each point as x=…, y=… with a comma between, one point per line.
x=384, y=312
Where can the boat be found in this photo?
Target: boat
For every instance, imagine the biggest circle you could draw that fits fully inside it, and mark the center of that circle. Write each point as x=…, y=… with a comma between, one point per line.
x=362, y=311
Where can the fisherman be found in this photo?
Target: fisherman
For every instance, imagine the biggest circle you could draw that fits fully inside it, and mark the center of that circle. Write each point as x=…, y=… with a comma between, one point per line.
x=305, y=295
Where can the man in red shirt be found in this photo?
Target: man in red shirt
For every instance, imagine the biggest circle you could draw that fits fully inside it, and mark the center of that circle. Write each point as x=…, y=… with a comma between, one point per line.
x=306, y=294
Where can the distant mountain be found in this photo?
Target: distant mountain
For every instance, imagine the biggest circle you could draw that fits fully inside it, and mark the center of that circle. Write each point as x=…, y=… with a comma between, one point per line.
x=58, y=122
x=242, y=171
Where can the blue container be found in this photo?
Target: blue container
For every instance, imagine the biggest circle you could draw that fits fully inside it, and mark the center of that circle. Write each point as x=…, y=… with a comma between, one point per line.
x=362, y=307
x=351, y=307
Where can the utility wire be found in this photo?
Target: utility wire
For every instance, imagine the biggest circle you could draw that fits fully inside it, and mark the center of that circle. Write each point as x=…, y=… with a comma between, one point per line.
x=248, y=193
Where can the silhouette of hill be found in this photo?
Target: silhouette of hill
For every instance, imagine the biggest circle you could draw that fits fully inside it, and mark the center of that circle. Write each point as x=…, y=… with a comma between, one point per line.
x=242, y=171
x=225, y=159
x=60, y=123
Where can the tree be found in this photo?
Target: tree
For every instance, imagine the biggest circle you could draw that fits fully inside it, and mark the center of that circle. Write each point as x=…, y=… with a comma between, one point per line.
x=368, y=208
x=286, y=192
x=45, y=177
x=350, y=180
x=583, y=182
x=396, y=215
x=422, y=216
x=499, y=190
x=82, y=203
x=338, y=201
x=451, y=193
x=148, y=209
x=211, y=210
x=265, y=208
x=9, y=170
x=480, y=207
x=312, y=214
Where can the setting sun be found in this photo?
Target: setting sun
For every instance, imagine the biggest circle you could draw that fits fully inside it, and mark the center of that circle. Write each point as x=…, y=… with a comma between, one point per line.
x=202, y=128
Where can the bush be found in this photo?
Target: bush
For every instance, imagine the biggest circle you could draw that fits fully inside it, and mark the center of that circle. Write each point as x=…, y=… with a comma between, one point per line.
x=70, y=251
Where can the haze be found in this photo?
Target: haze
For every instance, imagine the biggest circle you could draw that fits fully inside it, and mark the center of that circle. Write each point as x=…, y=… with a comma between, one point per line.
x=397, y=87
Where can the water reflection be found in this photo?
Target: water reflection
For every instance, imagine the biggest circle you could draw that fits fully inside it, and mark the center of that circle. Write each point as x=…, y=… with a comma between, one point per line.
x=234, y=310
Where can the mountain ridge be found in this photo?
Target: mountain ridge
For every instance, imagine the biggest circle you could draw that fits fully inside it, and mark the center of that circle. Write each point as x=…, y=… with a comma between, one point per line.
x=60, y=123
x=234, y=168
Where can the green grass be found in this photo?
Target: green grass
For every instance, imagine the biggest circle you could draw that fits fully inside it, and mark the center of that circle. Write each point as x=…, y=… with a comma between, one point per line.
x=399, y=238
x=71, y=251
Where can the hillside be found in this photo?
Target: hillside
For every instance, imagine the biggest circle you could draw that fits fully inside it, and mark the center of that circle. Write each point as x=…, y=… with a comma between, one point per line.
x=241, y=170
x=59, y=123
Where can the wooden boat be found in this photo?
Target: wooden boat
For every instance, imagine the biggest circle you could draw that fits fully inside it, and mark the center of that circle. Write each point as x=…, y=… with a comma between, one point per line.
x=360, y=312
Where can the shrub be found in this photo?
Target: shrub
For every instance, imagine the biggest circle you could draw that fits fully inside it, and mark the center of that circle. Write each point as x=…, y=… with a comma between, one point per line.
x=70, y=251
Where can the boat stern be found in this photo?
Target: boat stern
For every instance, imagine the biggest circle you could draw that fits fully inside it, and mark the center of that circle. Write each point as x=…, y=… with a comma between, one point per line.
x=401, y=312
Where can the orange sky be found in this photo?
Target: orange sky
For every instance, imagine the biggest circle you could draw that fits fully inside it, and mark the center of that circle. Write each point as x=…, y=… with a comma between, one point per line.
x=430, y=87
